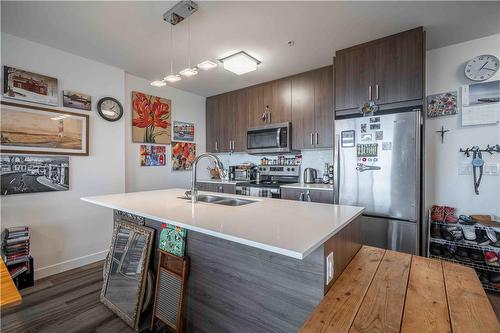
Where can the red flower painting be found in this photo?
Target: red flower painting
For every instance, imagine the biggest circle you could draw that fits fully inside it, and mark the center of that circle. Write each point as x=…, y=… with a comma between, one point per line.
x=151, y=119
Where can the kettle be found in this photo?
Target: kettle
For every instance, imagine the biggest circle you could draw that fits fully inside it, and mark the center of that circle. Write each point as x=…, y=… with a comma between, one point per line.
x=310, y=175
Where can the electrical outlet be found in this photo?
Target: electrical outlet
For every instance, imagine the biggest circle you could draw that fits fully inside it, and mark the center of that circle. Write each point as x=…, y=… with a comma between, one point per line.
x=465, y=169
x=490, y=169
x=329, y=268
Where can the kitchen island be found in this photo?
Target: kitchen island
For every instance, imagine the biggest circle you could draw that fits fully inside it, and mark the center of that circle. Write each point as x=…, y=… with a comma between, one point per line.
x=256, y=267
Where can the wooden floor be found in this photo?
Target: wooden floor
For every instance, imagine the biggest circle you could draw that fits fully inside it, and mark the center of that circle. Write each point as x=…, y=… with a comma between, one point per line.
x=69, y=302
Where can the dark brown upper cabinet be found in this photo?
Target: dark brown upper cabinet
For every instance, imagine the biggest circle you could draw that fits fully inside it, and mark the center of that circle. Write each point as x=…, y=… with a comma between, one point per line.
x=269, y=103
x=312, y=109
x=226, y=122
x=389, y=70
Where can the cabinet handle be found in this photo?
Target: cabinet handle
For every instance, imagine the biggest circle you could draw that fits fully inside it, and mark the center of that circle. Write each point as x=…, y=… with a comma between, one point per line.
x=376, y=92
x=216, y=146
x=312, y=138
x=268, y=116
x=369, y=93
x=317, y=138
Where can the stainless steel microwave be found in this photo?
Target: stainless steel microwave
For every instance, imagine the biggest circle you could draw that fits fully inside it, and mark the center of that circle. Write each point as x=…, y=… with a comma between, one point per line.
x=270, y=138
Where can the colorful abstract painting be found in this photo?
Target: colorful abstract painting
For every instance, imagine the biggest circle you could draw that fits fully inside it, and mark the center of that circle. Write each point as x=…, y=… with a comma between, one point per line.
x=183, y=155
x=444, y=104
x=183, y=131
x=151, y=119
x=173, y=239
x=152, y=155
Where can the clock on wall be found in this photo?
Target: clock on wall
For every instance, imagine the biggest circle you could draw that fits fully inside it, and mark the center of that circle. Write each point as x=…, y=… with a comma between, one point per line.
x=109, y=109
x=482, y=67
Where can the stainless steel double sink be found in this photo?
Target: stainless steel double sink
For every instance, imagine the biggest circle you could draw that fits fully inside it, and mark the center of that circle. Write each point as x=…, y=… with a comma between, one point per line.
x=226, y=201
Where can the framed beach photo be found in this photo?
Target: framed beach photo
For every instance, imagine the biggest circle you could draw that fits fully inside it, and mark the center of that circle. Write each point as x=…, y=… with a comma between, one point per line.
x=27, y=129
x=30, y=87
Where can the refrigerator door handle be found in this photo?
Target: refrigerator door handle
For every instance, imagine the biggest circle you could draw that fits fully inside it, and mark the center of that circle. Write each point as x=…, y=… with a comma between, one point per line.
x=336, y=158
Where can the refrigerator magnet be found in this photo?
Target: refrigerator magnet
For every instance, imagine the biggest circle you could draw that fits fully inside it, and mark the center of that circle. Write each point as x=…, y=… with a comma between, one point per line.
x=347, y=139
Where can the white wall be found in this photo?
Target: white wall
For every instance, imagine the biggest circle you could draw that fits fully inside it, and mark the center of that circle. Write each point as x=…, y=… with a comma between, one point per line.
x=444, y=186
x=65, y=231
x=186, y=107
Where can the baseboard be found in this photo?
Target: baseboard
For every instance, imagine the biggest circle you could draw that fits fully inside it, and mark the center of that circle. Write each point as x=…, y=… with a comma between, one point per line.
x=69, y=264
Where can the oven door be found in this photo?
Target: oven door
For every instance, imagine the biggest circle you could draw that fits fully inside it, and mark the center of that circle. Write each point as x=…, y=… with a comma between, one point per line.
x=274, y=138
x=264, y=192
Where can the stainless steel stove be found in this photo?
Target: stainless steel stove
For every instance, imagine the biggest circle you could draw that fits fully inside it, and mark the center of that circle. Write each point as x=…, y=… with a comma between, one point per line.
x=269, y=182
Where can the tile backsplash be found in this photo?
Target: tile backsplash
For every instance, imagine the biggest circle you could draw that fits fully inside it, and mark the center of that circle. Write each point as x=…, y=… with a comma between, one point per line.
x=310, y=159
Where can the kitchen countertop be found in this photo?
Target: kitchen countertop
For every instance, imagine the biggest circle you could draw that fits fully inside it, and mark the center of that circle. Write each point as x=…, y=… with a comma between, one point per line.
x=290, y=228
x=315, y=186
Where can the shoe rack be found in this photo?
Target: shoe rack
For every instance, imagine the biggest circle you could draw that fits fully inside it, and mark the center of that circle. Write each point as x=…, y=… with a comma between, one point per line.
x=473, y=264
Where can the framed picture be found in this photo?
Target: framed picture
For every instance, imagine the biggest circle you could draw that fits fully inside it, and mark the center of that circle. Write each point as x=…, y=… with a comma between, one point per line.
x=76, y=100
x=29, y=87
x=29, y=129
x=183, y=131
x=31, y=173
x=183, y=155
x=444, y=104
x=152, y=155
x=151, y=119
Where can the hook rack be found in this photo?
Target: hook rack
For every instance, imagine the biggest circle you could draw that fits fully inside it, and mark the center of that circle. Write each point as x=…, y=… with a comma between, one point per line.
x=489, y=149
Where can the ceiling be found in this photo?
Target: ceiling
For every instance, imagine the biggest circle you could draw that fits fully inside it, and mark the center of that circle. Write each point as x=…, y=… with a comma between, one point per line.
x=133, y=36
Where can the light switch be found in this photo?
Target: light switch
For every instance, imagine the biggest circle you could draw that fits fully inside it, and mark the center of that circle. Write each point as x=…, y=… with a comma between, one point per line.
x=329, y=268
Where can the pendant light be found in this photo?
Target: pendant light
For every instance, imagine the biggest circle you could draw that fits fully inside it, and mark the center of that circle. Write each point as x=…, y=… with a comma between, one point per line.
x=172, y=77
x=188, y=72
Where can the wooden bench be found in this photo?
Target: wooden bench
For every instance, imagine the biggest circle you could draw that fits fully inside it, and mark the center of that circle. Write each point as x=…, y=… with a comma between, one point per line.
x=387, y=291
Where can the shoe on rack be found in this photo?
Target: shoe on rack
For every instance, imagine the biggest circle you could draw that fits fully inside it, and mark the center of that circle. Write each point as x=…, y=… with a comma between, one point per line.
x=491, y=259
x=449, y=215
x=494, y=277
x=446, y=254
x=466, y=220
x=446, y=234
x=436, y=231
x=435, y=249
x=496, y=244
x=492, y=235
x=481, y=238
x=469, y=234
x=477, y=256
x=437, y=213
x=483, y=276
x=462, y=254
x=456, y=232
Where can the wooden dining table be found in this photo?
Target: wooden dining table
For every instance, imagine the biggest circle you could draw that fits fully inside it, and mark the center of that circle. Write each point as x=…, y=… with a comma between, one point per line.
x=9, y=295
x=387, y=291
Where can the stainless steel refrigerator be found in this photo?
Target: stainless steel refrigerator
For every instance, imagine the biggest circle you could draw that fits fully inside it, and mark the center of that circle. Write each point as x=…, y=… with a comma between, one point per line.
x=378, y=166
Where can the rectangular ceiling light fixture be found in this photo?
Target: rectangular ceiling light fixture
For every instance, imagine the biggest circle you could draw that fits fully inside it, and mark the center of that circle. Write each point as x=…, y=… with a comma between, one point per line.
x=187, y=72
x=240, y=63
x=159, y=83
x=172, y=78
x=207, y=65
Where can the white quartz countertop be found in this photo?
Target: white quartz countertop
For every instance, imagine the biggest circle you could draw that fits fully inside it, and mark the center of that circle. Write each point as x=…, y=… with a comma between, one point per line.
x=316, y=186
x=290, y=228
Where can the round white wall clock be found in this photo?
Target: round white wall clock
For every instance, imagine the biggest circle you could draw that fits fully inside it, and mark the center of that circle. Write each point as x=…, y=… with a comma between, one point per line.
x=482, y=67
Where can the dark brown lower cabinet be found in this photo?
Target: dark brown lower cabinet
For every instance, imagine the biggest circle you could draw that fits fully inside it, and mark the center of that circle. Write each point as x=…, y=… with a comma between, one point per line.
x=304, y=194
x=216, y=187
